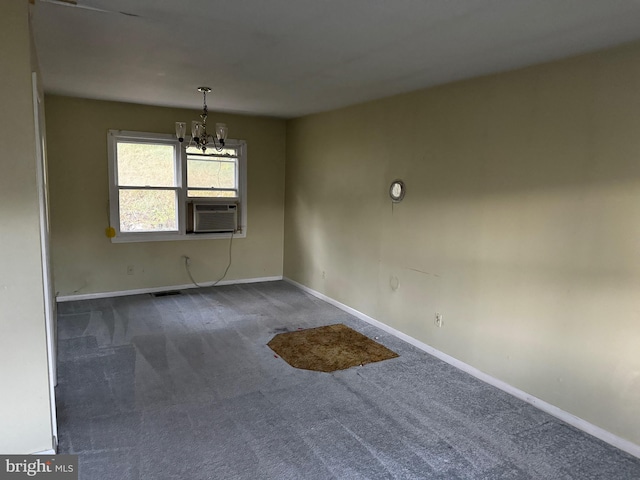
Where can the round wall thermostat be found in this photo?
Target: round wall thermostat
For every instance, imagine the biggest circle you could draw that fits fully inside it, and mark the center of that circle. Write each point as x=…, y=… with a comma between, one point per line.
x=397, y=190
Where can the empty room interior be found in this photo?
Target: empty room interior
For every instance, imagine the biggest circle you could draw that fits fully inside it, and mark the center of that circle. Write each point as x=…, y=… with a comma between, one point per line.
x=458, y=182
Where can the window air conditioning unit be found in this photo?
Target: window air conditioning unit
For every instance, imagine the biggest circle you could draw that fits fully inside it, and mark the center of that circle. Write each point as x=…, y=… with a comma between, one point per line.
x=215, y=218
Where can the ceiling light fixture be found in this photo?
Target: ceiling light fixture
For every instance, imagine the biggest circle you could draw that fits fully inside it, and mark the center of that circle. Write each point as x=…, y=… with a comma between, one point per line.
x=199, y=136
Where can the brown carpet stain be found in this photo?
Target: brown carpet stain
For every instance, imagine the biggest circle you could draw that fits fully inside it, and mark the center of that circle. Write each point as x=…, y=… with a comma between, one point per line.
x=327, y=349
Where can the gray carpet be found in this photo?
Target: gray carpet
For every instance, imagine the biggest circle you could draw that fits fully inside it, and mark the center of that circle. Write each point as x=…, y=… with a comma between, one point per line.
x=184, y=387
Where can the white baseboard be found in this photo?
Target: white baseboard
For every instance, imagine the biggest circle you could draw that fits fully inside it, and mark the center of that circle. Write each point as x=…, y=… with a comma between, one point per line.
x=577, y=422
x=91, y=296
x=45, y=452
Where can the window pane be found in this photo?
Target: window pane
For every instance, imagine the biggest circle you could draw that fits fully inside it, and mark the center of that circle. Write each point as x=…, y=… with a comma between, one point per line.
x=146, y=165
x=211, y=172
x=148, y=211
x=212, y=193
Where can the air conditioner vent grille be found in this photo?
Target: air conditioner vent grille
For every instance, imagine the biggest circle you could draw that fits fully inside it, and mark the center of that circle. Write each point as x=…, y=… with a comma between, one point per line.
x=211, y=218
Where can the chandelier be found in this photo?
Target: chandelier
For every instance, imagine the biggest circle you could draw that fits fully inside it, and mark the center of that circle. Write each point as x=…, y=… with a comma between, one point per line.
x=199, y=136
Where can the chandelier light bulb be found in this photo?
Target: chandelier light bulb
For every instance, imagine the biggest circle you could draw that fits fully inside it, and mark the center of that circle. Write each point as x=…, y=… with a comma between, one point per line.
x=196, y=130
x=221, y=132
x=181, y=130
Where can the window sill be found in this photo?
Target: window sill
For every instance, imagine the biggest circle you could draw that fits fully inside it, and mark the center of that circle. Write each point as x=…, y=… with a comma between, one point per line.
x=175, y=237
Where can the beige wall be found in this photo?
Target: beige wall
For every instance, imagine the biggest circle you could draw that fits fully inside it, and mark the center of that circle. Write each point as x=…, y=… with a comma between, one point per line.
x=521, y=225
x=25, y=422
x=85, y=260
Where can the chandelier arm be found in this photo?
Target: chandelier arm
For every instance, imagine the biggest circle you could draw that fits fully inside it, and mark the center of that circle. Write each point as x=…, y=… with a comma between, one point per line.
x=218, y=146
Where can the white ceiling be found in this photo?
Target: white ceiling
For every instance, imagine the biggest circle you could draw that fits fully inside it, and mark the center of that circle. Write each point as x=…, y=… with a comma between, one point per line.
x=288, y=58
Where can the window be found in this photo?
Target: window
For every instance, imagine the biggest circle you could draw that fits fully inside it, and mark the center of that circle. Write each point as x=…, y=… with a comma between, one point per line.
x=147, y=180
x=214, y=174
x=161, y=189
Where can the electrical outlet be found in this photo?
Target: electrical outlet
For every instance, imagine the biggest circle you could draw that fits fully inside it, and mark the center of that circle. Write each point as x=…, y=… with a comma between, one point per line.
x=438, y=320
x=187, y=260
x=130, y=269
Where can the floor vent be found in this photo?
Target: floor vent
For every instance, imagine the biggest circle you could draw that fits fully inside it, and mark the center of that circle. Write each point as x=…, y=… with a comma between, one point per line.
x=166, y=294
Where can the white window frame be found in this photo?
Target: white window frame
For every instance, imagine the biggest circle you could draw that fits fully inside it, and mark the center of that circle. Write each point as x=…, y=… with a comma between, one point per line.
x=115, y=136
